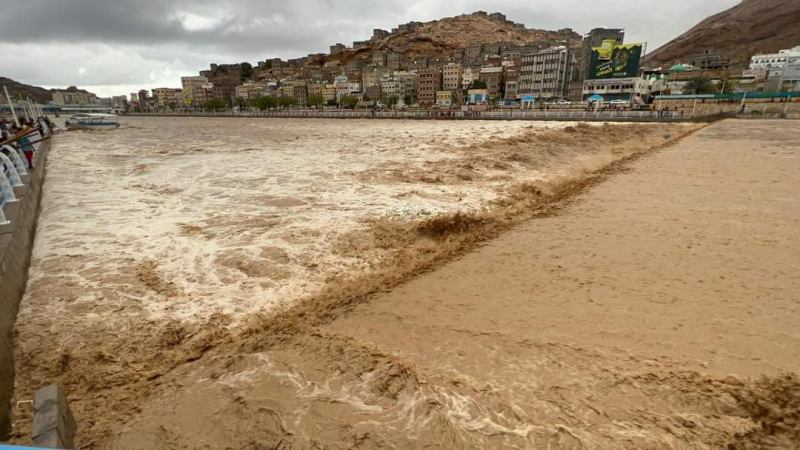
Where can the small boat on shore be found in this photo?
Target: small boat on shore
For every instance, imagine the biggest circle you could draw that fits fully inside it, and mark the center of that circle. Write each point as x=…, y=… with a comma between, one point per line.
x=94, y=121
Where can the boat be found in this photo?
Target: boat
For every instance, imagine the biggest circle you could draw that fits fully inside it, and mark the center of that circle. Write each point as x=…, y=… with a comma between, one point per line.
x=94, y=121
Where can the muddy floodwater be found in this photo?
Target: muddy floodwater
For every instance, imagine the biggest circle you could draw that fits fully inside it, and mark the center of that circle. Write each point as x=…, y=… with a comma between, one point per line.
x=192, y=278
x=230, y=216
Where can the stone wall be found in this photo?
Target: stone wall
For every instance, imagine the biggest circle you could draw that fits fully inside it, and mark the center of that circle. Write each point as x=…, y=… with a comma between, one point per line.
x=710, y=107
x=16, y=243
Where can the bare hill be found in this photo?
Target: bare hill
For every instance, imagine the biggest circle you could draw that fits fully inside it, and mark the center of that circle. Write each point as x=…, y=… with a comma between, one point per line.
x=753, y=26
x=19, y=91
x=438, y=37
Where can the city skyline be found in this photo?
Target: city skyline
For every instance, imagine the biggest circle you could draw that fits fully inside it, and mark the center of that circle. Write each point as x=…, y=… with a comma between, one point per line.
x=113, y=50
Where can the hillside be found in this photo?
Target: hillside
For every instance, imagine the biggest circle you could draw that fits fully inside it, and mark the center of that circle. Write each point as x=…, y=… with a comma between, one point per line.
x=753, y=26
x=436, y=38
x=19, y=91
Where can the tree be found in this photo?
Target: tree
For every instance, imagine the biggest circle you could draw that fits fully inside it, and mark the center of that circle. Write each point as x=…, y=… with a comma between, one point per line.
x=332, y=102
x=348, y=101
x=728, y=86
x=241, y=102
x=392, y=100
x=316, y=100
x=263, y=103
x=408, y=100
x=699, y=85
x=477, y=84
x=285, y=102
x=214, y=104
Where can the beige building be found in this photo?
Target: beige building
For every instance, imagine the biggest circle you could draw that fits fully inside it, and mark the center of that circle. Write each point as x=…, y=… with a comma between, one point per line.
x=468, y=75
x=251, y=90
x=298, y=90
x=445, y=99
x=196, y=90
x=168, y=97
x=328, y=92
x=73, y=96
x=371, y=77
x=451, y=77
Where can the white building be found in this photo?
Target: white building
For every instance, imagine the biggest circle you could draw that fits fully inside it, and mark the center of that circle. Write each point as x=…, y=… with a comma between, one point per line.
x=774, y=60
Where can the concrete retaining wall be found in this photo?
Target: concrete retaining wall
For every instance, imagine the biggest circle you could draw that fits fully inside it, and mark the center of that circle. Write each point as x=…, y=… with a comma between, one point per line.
x=15, y=255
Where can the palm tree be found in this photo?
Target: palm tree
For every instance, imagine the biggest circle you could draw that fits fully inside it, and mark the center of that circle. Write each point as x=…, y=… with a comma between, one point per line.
x=699, y=85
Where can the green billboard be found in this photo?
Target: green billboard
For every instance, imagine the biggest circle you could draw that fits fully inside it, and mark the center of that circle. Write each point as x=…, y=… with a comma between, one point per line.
x=612, y=60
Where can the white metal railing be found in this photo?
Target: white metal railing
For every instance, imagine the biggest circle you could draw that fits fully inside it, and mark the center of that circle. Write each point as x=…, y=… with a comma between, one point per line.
x=15, y=164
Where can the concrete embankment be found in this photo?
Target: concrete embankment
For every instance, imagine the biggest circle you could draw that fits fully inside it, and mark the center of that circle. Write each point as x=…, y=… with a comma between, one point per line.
x=16, y=241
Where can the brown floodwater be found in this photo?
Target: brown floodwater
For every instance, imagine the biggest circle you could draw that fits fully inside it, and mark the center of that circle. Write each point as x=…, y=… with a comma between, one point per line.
x=199, y=283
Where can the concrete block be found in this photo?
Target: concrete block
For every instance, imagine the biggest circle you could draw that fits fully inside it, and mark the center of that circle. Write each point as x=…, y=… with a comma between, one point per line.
x=53, y=423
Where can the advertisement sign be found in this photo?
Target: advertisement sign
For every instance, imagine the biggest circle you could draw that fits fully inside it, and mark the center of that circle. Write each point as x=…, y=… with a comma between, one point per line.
x=612, y=60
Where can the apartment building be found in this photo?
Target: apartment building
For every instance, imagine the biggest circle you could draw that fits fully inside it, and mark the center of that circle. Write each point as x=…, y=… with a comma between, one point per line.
x=196, y=90
x=547, y=74
x=451, y=77
x=493, y=77
x=430, y=82
x=168, y=97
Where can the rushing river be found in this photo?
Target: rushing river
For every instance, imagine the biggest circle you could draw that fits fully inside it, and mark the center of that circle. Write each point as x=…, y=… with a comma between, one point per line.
x=160, y=243
x=216, y=215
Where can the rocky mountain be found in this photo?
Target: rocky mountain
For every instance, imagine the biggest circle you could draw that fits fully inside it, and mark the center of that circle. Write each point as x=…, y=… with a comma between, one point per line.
x=19, y=91
x=753, y=26
x=437, y=38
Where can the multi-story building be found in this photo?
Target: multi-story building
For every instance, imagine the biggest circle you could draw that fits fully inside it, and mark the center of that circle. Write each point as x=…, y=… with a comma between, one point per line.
x=419, y=62
x=225, y=78
x=373, y=92
x=390, y=87
x=121, y=102
x=342, y=84
x=591, y=40
x=195, y=90
x=168, y=97
x=493, y=77
x=328, y=92
x=371, y=77
x=298, y=90
x=378, y=58
x=145, y=101
x=774, y=60
x=430, y=82
x=314, y=89
x=337, y=48
x=451, y=77
x=710, y=60
x=73, y=96
x=468, y=76
x=512, y=84
x=395, y=60
x=547, y=74
x=473, y=55
x=408, y=84
x=456, y=56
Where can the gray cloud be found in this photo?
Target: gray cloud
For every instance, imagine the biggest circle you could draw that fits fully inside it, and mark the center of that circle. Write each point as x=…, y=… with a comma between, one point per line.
x=152, y=42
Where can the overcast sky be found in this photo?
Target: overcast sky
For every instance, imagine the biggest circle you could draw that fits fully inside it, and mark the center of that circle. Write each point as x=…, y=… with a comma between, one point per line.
x=114, y=47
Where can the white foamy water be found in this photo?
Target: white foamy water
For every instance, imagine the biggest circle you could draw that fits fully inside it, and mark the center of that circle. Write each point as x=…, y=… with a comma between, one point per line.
x=229, y=215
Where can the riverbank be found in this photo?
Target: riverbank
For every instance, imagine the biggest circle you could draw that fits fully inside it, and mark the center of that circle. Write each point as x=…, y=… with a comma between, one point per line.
x=16, y=243
x=655, y=310
x=226, y=257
